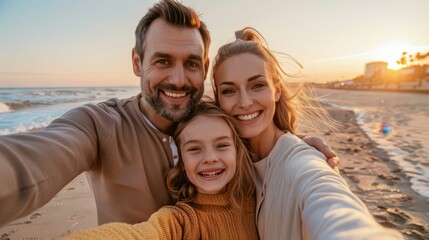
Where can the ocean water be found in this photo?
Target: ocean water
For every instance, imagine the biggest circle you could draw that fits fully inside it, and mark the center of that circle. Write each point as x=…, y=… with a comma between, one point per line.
x=397, y=122
x=24, y=109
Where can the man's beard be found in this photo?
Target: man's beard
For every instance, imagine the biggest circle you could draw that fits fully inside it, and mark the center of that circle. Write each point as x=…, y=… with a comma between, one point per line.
x=174, y=113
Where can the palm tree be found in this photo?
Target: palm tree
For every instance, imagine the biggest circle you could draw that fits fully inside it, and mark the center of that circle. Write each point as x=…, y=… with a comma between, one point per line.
x=426, y=57
x=418, y=56
x=403, y=60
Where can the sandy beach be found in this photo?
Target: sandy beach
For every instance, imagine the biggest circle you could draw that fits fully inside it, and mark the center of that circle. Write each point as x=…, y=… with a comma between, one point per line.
x=367, y=169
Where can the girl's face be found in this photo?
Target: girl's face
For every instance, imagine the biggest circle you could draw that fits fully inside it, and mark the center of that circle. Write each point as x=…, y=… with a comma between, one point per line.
x=208, y=153
x=247, y=93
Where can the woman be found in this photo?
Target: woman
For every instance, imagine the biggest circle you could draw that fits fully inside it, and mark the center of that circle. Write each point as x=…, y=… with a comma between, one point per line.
x=298, y=194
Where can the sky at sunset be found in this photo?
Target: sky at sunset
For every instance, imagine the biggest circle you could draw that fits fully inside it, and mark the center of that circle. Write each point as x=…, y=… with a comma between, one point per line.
x=50, y=43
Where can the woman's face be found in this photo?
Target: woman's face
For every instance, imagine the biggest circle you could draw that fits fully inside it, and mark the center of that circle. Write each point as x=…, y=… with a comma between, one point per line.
x=247, y=93
x=208, y=153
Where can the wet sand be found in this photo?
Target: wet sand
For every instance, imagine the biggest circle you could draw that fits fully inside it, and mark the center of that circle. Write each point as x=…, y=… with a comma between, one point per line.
x=367, y=169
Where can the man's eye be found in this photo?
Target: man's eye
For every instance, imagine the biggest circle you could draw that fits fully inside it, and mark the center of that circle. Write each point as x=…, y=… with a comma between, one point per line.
x=163, y=62
x=193, y=64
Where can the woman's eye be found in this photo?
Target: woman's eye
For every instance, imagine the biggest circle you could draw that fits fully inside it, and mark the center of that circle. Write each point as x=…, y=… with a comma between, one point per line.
x=259, y=85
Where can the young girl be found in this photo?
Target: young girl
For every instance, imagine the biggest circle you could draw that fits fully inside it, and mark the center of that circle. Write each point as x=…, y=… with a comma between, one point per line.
x=213, y=183
x=298, y=194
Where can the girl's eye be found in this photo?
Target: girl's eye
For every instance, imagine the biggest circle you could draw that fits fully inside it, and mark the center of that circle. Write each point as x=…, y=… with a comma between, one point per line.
x=223, y=145
x=227, y=91
x=193, y=149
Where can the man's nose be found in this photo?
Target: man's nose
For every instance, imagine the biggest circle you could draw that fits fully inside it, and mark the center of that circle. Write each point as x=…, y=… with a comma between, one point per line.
x=178, y=77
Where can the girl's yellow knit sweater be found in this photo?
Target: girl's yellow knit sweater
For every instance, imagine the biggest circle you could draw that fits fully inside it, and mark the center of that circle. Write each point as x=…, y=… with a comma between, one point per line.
x=208, y=217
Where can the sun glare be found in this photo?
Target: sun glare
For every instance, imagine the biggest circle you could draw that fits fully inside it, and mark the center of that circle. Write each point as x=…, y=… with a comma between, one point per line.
x=391, y=53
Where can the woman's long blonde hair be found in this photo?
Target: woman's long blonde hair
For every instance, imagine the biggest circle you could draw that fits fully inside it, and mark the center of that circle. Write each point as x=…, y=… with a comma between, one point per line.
x=241, y=185
x=297, y=103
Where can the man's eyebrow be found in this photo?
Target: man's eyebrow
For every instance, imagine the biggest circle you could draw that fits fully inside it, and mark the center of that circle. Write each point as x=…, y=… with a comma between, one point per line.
x=161, y=55
x=167, y=55
x=249, y=79
x=195, y=57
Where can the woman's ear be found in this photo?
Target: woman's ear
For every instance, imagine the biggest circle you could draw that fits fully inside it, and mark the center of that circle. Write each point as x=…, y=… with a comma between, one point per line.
x=278, y=93
x=135, y=58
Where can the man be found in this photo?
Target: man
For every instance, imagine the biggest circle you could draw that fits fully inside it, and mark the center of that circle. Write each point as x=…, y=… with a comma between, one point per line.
x=125, y=145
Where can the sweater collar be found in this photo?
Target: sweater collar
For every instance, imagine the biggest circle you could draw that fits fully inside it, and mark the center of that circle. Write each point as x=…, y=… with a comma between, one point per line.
x=220, y=199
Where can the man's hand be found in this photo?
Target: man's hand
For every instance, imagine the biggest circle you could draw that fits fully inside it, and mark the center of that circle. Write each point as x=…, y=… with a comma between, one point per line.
x=321, y=146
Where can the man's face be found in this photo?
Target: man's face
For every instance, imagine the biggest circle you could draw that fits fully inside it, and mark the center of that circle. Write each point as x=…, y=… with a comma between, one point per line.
x=173, y=69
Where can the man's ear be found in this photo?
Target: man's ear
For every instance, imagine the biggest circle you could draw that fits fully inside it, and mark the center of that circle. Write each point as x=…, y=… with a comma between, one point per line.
x=206, y=68
x=137, y=64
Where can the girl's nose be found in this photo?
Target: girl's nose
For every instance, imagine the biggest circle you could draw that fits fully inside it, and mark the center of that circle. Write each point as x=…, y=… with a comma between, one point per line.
x=211, y=156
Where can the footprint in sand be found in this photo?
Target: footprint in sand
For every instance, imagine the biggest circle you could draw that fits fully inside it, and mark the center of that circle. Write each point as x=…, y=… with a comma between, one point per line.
x=74, y=217
x=58, y=203
x=388, y=177
x=34, y=215
x=398, y=215
x=354, y=179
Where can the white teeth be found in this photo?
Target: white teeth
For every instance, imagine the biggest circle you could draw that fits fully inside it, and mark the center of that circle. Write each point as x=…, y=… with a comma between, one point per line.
x=175, y=95
x=248, y=117
x=209, y=174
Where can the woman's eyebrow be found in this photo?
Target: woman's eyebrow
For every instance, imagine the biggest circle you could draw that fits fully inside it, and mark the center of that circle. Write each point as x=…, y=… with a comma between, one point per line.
x=256, y=77
x=249, y=79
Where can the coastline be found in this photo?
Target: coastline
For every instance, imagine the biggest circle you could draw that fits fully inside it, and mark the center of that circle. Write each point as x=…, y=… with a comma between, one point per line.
x=420, y=91
x=367, y=169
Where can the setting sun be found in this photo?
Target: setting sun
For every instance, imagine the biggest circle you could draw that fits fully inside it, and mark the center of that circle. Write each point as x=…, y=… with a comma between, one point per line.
x=391, y=53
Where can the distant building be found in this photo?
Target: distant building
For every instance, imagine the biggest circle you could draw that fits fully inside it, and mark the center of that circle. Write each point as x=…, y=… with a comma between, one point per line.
x=376, y=74
x=414, y=77
x=378, y=77
x=375, y=69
